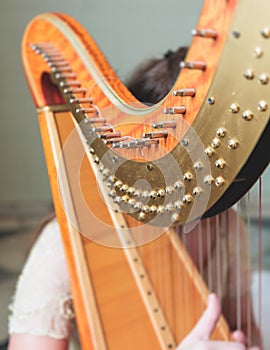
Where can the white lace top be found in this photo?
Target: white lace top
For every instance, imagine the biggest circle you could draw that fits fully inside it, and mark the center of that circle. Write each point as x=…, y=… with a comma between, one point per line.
x=42, y=302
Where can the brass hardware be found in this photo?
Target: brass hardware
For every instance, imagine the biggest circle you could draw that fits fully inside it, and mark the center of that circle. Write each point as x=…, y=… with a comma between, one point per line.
x=221, y=132
x=193, y=65
x=185, y=92
x=161, y=193
x=169, y=189
x=184, y=142
x=188, y=176
x=211, y=100
x=125, y=198
x=216, y=143
x=124, y=188
x=169, y=207
x=249, y=74
x=164, y=124
x=175, y=217
x=247, y=114
x=233, y=143
x=208, y=179
x=205, y=33
x=178, y=205
x=266, y=32
x=53, y=108
x=219, y=182
x=156, y=134
x=264, y=78
x=187, y=199
x=175, y=110
x=197, y=165
x=118, y=184
x=234, y=107
x=141, y=216
x=153, y=195
x=258, y=52
x=220, y=163
x=262, y=106
x=152, y=209
x=197, y=191
x=178, y=185
x=130, y=191
x=209, y=151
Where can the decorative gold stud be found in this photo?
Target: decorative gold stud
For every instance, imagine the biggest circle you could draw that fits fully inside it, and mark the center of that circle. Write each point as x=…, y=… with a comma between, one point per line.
x=106, y=172
x=138, y=205
x=258, y=52
x=209, y=151
x=153, y=194
x=178, y=205
x=178, y=185
x=145, y=194
x=219, y=182
x=125, y=198
x=220, y=163
x=175, y=217
x=208, y=179
x=131, y=191
x=187, y=176
x=249, y=74
x=233, y=143
x=234, y=107
x=112, y=193
x=152, y=209
x=145, y=208
x=161, y=193
x=137, y=193
x=264, y=78
x=169, y=207
x=124, y=188
x=112, y=178
x=131, y=202
x=266, y=32
x=169, y=189
x=216, y=143
x=197, y=165
x=96, y=159
x=118, y=184
x=187, y=199
x=141, y=216
x=221, y=132
x=197, y=191
x=247, y=115
x=161, y=209
x=211, y=100
x=262, y=106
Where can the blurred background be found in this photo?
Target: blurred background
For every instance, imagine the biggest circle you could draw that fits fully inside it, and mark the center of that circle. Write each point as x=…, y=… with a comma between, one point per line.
x=127, y=32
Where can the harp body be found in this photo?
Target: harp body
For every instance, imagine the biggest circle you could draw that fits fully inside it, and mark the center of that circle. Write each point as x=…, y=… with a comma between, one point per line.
x=133, y=281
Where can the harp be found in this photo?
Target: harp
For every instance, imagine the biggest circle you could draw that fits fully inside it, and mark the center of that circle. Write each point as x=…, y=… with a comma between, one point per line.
x=126, y=176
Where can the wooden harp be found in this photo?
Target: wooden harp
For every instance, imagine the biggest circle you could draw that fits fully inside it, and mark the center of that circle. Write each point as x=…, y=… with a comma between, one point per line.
x=125, y=176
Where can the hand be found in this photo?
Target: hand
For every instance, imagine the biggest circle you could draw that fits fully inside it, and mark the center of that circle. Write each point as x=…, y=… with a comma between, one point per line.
x=198, y=338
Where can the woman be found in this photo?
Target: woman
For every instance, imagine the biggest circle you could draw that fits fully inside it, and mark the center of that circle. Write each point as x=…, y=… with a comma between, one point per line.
x=42, y=313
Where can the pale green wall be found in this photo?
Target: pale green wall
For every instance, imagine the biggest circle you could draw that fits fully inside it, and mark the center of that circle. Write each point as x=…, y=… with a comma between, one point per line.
x=127, y=31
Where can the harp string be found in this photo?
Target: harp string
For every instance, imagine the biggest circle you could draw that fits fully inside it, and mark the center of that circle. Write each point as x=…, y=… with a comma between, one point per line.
x=248, y=304
x=238, y=268
x=260, y=260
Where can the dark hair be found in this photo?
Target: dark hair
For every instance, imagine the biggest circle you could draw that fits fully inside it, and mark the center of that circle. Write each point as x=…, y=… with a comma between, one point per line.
x=153, y=79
